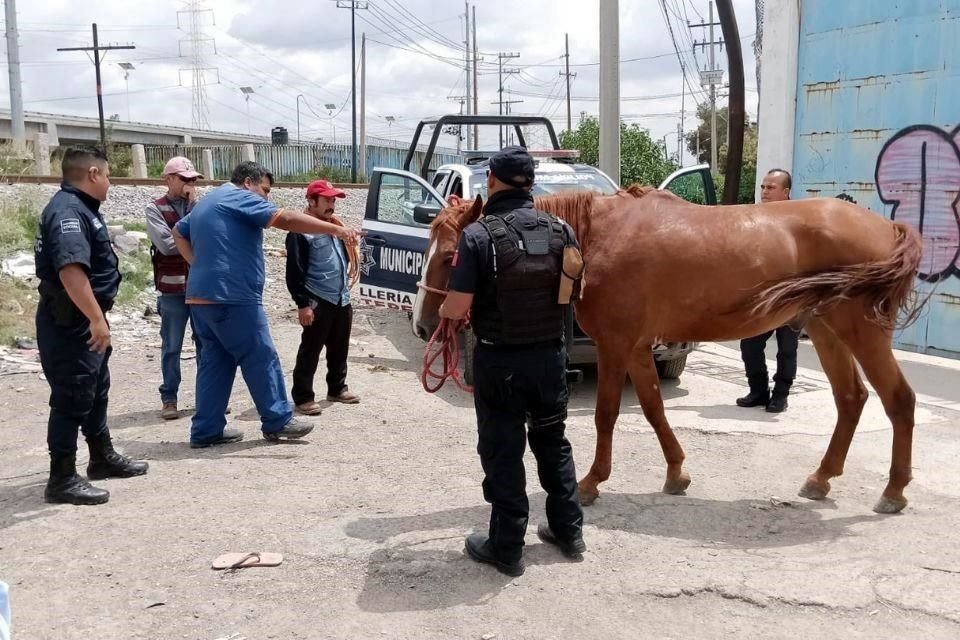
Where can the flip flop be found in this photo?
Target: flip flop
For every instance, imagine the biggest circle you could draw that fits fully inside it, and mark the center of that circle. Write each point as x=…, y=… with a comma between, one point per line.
x=244, y=560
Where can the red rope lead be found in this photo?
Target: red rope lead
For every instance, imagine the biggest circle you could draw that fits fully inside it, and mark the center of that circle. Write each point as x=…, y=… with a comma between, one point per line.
x=446, y=336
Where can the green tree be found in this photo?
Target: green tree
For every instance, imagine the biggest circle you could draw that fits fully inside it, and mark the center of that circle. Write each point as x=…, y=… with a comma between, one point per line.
x=748, y=170
x=641, y=158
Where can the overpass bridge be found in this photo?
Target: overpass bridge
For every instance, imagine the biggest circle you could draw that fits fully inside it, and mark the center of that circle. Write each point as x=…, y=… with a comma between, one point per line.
x=63, y=130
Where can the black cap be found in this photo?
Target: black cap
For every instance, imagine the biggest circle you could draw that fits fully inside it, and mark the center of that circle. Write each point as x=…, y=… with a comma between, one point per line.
x=513, y=166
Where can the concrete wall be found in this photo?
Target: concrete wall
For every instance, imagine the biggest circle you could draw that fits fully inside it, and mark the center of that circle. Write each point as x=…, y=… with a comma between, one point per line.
x=877, y=119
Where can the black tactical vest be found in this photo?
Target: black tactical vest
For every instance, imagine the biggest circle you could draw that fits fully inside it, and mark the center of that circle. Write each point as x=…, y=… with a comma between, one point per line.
x=527, y=256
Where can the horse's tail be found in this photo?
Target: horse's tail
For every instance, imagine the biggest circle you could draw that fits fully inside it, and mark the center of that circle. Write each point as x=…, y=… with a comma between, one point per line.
x=887, y=285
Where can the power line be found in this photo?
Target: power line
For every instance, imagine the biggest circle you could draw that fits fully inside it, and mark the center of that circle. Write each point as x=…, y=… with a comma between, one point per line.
x=96, y=49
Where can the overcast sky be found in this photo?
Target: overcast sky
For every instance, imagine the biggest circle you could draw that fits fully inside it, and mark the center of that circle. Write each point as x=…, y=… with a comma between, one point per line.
x=285, y=48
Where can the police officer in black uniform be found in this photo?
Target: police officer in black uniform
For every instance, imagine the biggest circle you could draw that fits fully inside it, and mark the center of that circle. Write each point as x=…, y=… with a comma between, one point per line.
x=507, y=273
x=79, y=279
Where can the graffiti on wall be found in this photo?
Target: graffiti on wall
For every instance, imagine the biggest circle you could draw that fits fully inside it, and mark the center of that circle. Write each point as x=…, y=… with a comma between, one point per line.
x=918, y=172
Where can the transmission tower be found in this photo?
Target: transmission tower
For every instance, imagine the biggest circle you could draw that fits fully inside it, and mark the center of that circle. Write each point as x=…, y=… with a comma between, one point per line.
x=198, y=45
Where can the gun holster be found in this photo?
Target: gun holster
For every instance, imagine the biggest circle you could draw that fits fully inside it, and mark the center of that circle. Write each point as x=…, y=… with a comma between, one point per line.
x=64, y=312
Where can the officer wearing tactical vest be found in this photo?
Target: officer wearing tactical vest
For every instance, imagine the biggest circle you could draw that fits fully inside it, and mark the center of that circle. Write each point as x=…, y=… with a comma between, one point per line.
x=508, y=273
x=79, y=279
x=170, y=275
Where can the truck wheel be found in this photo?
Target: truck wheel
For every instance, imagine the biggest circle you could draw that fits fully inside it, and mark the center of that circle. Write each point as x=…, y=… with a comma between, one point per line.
x=671, y=369
x=466, y=355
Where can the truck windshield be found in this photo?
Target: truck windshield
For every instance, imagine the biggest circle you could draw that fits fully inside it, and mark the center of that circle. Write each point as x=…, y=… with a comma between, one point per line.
x=554, y=182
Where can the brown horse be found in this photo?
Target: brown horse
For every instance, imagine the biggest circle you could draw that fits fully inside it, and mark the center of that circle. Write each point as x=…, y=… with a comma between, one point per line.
x=659, y=269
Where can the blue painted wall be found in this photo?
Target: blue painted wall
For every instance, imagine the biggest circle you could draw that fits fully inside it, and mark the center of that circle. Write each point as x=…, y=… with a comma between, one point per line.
x=878, y=121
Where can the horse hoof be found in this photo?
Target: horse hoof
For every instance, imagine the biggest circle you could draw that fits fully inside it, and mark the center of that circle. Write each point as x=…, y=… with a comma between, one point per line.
x=890, y=505
x=813, y=489
x=677, y=486
x=588, y=495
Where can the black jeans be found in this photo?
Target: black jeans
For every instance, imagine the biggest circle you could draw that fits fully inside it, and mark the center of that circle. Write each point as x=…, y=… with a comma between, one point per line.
x=516, y=389
x=331, y=329
x=752, y=350
x=79, y=381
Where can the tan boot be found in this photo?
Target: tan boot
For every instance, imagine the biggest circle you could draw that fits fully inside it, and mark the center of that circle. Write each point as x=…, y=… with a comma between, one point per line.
x=169, y=411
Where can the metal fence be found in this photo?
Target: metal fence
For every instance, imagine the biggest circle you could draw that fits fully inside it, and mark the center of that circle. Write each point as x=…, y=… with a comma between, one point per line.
x=292, y=160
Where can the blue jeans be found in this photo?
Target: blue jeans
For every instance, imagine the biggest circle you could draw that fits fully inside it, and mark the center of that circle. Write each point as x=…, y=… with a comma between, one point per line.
x=174, y=315
x=232, y=336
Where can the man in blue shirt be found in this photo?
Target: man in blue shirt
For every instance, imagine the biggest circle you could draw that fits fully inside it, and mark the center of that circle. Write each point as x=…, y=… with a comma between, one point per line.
x=318, y=277
x=222, y=239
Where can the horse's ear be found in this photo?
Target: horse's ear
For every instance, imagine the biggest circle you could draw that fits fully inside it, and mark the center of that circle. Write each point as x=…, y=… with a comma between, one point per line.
x=476, y=209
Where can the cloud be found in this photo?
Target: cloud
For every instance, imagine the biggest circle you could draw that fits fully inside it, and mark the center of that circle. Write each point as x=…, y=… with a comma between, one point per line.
x=414, y=60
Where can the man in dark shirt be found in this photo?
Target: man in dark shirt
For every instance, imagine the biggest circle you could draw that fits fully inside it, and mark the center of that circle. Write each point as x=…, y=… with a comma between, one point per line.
x=507, y=274
x=79, y=279
x=319, y=270
x=775, y=187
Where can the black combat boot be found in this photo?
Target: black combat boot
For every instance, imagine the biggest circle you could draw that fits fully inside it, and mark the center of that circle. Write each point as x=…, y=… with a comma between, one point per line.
x=778, y=399
x=759, y=396
x=105, y=462
x=66, y=487
x=479, y=548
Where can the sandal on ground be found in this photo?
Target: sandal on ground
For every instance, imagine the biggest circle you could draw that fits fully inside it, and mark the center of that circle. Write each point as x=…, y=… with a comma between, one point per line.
x=244, y=560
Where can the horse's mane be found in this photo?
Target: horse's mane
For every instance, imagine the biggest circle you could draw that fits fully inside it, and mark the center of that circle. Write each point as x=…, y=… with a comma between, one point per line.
x=573, y=207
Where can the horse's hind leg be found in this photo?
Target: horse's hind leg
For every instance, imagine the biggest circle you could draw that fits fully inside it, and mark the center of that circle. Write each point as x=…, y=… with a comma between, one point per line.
x=611, y=372
x=849, y=394
x=872, y=348
x=646, y=382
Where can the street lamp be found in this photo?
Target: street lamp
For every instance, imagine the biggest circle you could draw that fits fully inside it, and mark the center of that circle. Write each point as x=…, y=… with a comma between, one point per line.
x=127, y=68
x=330, y=107
x=246, y=93
x=298, y=116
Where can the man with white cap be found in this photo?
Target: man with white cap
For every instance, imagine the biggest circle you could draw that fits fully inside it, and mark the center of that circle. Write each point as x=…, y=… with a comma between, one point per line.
x=170, y=274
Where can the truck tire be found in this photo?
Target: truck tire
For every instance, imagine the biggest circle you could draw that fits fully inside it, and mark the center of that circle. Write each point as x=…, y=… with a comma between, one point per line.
x=467, y=344
x=671, y=369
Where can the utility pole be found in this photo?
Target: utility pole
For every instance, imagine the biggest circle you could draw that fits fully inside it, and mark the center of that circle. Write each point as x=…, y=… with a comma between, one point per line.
x=711, y=77
x=736, y=108
x=476, y=96
x=18, y=128
x=298, y=116
x=353, y=5
x=683, y=99
x=506, y=103
x=127, y=68
x=363, y=104
x=458, y=130
x=96, y=49
x=468, y=79
x=247, y=91
x=501, y=56
x=680, y=144
x=566, y=40
x=610, y=89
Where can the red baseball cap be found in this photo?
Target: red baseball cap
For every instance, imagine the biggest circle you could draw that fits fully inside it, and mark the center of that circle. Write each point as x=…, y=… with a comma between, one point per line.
x=324, y=189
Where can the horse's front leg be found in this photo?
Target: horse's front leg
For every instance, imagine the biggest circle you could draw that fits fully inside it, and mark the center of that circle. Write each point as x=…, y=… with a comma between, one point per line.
x=646, y=382
x=611, y=372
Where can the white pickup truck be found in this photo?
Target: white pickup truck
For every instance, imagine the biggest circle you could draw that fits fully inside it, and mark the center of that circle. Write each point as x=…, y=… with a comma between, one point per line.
x=401, y=204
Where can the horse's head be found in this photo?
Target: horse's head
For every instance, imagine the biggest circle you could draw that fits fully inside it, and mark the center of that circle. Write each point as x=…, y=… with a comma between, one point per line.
x=444, y=236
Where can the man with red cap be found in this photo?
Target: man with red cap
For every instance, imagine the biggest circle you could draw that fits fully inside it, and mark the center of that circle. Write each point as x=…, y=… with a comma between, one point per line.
x=170, y=274
x=320, y=271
